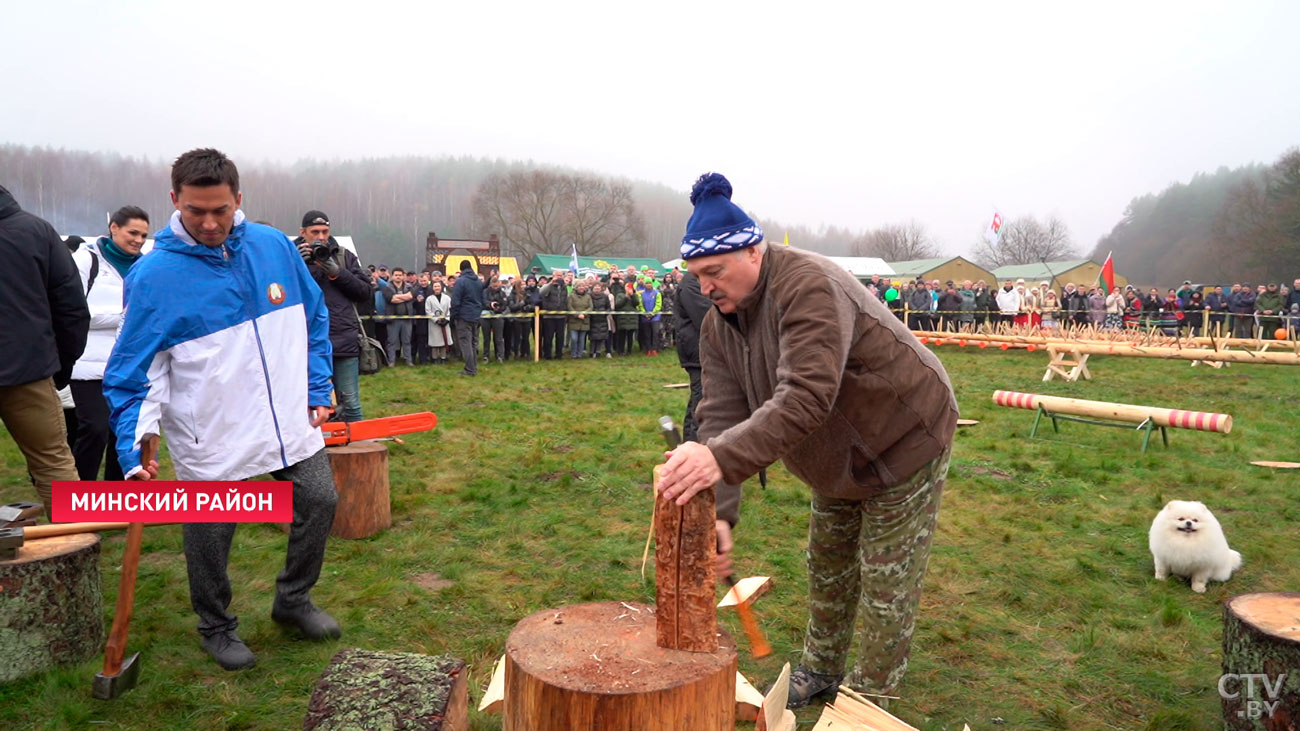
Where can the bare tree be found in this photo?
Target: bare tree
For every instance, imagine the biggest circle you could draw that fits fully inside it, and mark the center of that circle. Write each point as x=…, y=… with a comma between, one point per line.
x=897, y=242
x=1025, y=240
x=543, y=212
x=601, y=217
x=1259, y=224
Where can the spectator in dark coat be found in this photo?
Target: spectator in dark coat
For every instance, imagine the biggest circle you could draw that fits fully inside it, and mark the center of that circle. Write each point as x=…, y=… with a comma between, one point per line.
x=467, y=311
x=691, y=306
x=625, y=323
x=1217, y=304
x=600, y=331
x=555, y=298
x=46, y=322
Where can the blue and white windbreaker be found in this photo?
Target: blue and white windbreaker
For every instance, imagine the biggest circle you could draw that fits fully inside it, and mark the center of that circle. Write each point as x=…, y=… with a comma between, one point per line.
x=226, y=347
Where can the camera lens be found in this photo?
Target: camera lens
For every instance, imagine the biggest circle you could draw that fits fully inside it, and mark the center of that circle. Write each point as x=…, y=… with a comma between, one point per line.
x=320, y=252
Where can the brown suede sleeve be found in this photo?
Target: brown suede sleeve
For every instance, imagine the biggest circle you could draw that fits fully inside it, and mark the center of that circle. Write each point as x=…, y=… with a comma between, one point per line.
x=722, y=406
x=815, y=333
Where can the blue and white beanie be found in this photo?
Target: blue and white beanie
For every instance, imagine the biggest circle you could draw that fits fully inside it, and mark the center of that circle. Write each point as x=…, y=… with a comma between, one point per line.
x=717, y=226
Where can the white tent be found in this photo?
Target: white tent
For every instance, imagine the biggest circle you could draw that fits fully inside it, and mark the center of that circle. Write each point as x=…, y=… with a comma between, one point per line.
x=863, y=267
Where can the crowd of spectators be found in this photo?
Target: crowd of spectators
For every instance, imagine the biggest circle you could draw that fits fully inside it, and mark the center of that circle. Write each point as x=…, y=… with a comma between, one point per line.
x=1242, y=311
x=421, y=320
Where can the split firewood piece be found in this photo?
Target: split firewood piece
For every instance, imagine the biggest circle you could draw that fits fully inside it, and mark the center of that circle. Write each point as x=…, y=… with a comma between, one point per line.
x=1278, y=465
x=853, y=712
x=748, y=700
x=685, y=589
x=677, y=385
x=495, y=694
x=746, y=591
x=967, y=422
x=775, y=716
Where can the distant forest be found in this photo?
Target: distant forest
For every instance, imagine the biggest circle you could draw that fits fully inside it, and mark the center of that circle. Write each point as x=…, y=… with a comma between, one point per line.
x=388, y=205
x=1233, y=224
x=1230, y=225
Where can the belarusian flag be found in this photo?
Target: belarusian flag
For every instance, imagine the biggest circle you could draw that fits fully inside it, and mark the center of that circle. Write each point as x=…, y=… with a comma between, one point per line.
x=1106, y=279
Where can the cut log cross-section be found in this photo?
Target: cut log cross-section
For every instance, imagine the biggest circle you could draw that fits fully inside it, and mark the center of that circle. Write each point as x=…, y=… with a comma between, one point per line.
x=598, y=666
x=1260, y=686
x=685, y=544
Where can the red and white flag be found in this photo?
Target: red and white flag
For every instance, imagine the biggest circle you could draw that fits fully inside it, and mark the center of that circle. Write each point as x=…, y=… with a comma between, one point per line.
x=994, y=231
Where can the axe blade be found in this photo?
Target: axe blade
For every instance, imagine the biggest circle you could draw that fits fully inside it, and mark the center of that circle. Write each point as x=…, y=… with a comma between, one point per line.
x=15, y=513
x=108, y=687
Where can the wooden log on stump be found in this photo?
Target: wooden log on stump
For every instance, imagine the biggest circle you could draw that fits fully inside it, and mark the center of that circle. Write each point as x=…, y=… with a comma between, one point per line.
x=686, y=541
x=361, y=689
x=1260, y=686
x=361, y=478
x=598, y=666
x=51, y=606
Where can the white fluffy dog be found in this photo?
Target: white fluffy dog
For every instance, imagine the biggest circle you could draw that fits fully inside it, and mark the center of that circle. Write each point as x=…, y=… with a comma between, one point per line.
x=1187, y=541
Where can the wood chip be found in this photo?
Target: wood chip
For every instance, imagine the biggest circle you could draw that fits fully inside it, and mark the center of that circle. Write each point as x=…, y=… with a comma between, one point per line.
x=1278, y=465
x=746, y=590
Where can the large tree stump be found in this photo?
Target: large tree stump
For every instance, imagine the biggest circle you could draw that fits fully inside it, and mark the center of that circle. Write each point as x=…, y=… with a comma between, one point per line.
x=385, y=690
x=51, y=608
x=361, y=478
x=1260, y=687
x=598, y=666
x=686, y=541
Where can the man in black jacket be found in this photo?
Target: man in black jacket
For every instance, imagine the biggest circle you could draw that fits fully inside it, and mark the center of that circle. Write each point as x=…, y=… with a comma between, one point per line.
x=555, y=298
x=345, y=288
x=690, y=306
x=45, y=332
x=467, y=311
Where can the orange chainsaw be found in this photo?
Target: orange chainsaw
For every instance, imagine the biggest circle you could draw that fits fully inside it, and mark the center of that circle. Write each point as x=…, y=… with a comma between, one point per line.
x=346, y=432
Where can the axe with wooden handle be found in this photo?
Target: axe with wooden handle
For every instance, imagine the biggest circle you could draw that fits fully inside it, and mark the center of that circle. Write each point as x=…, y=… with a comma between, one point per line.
x=757, y=642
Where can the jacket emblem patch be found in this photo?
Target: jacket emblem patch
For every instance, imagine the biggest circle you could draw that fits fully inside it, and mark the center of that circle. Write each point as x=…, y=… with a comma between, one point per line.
x=275, y=293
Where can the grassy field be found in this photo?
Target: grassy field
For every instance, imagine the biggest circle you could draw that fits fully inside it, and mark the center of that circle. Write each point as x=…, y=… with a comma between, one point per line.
x=533, y=492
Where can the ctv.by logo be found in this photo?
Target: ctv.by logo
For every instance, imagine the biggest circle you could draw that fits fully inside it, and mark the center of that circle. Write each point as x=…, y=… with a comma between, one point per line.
x=1255, y=709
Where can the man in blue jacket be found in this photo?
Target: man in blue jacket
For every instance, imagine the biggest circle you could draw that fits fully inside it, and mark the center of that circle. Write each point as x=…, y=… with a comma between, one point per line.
x=225, y=345
x=467, y=311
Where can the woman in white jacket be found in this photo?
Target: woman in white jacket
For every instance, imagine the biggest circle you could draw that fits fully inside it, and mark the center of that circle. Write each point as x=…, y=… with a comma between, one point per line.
x=103, y=265
x=438, y=307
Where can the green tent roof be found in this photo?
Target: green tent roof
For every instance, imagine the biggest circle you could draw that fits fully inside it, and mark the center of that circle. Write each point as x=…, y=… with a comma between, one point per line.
x=1038, y=272
x=914, y=267
x=550, y=262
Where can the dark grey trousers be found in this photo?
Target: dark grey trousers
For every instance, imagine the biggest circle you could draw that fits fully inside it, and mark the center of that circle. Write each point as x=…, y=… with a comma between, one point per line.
x=467, y=339
x=207, y=547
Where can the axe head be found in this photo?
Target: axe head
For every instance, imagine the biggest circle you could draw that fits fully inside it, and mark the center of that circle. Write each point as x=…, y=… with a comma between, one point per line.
x=108, y=687
x=11, y=539
x=15, y=514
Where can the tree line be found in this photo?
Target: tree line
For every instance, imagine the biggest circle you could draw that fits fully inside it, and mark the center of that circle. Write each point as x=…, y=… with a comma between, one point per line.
x=1231, y=224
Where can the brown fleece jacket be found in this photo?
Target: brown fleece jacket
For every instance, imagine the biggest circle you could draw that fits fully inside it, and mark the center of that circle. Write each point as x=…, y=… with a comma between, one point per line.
x=814, y=371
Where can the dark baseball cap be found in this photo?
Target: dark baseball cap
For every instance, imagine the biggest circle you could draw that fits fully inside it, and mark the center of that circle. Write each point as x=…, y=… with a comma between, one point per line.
x=315, y=218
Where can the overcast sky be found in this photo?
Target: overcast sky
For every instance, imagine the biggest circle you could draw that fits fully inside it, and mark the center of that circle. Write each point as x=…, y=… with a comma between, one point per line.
x=849, y=113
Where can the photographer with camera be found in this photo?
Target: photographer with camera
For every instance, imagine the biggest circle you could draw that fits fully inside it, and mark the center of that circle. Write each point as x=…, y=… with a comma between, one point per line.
x=338, y=274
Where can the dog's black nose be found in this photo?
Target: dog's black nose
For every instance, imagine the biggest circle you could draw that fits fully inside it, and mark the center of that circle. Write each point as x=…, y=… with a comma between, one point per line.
x=1188, y=525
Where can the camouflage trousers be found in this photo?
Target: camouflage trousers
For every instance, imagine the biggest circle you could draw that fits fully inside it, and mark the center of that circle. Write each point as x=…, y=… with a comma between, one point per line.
x=868, y=557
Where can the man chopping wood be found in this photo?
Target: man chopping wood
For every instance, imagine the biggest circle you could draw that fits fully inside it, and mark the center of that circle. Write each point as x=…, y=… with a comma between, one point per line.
x=225, y=343
x=801, y=364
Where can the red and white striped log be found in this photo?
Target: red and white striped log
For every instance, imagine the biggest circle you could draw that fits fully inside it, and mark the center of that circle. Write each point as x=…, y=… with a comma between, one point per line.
x=1178, y=418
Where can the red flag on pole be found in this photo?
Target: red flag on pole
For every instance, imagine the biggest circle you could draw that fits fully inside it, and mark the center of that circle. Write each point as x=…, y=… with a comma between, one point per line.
x=1106, y=278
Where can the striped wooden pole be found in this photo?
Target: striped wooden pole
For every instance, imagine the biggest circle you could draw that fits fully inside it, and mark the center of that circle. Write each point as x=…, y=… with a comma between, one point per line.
x=1178, y=418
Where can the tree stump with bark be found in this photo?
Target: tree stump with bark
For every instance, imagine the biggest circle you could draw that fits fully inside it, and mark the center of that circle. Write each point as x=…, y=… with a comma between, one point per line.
x=361, y=689
x=51, y=605
x=599, y=666
x=1260, y=687
x=361, y=478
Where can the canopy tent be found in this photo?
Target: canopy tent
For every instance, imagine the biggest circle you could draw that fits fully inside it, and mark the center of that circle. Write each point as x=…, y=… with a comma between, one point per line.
x=546, y=263
x=863, y=267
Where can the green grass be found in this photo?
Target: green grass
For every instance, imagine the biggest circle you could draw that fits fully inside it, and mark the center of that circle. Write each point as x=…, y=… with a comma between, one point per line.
x=533, y=492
